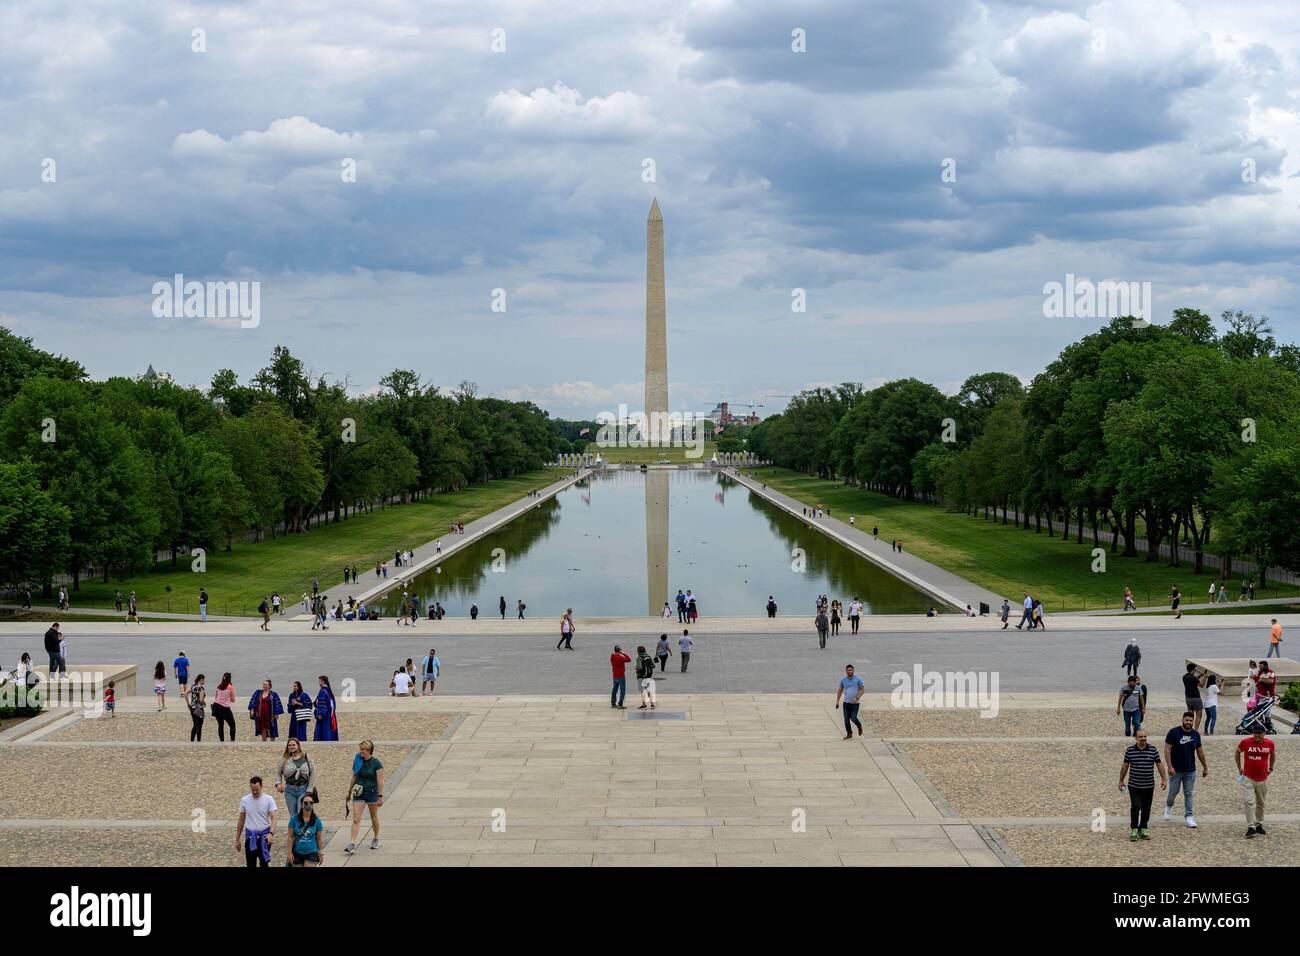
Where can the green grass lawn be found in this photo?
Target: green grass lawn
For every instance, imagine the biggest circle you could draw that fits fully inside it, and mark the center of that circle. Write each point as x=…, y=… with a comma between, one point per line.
x=648, y=456
x=236, y=580
x=1004, y=558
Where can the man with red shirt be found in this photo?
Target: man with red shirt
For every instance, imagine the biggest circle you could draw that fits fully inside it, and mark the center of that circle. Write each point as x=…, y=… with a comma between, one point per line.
x=1255, y=760
x=618, y=662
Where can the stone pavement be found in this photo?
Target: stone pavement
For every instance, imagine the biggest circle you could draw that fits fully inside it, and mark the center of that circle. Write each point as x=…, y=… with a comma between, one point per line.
x=738, y=780
x=944, y=586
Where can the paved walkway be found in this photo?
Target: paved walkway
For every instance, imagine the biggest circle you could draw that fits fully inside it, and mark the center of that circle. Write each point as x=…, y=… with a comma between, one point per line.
x=929, y=578
x=427, y=555
x=737, y=780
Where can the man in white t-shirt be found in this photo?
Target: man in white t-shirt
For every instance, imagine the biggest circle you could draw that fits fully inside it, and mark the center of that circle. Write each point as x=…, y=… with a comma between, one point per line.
x=256, y=824
x=855, y=614
x=684, y=645
x=401, y=684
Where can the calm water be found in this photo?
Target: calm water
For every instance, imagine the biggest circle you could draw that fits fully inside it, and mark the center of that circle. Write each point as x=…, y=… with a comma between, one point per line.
x=621, y=544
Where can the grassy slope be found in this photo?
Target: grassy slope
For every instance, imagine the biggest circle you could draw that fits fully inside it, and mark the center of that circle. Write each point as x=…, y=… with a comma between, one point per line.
x=1002, y=558
x=237, y=580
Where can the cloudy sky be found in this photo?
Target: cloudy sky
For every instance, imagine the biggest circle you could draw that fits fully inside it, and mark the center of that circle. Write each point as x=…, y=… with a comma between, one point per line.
x=506, y=145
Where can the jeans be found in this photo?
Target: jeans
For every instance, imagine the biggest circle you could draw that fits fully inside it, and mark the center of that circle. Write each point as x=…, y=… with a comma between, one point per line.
x=1211, y=718
x=821, y=638
x=203, y=612
x=855, y=621
x=293, y=797
x=851, y=717
x=1139, y=807
x=663, y=663
x=566, y=640
x=686, y=660
x=1132, y=722
x=618, y=692
x=1186, y=779
x=54, y=661
x=1274, y=650
x=1027, y=616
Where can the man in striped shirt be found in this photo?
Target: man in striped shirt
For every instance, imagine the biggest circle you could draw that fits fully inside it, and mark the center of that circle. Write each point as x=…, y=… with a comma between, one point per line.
x=1141, y=761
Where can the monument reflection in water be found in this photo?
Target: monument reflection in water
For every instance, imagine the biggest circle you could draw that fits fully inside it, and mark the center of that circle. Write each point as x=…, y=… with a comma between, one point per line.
x=607, y=547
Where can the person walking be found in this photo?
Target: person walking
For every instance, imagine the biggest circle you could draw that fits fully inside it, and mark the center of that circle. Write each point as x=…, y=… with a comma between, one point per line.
x=618, y=662
x=295, y=775
x=299, y=712
x=1133, y=703
x=835, y=618
x=197, y=701
x=1175, y=599
x=256, y=826
x=160, y=685
x=1129, y=603
x=684, y=645
x=851, y=690
x=645, y=673
x=1182, y=750
x=181, y=667
x=771, y=606
x=1192, y=694
x=1029, y=613
x=366, y=789
x=264, y=609
x=222, y=703
x=132, y=610
x=203, y=604
x=521, y=607
x=306, y=834
x=326, y=712
x=502, y=606
x=1211, y=684
x=566, y=630
x=265, y=708
x=52, y=638
x=663, y=651
x=1141, y=761
x=1132, y=656
x=822, y=626
x=855, y=615
x=1274, y=641
x=1005, y=613
x=430, y=667
x=1256, y=757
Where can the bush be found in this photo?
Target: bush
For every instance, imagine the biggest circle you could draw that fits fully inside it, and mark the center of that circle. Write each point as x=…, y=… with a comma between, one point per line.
x=1291, y=699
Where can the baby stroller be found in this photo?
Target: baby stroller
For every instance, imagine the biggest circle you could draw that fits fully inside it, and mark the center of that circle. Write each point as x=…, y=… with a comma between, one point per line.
x=1257, y=717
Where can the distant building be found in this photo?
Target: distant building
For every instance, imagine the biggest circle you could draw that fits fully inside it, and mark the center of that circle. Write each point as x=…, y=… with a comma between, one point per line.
x=722, y=415
x=151, y=376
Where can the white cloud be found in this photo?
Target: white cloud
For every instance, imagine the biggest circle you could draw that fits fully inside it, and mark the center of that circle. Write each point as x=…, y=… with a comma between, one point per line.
x=562, y=111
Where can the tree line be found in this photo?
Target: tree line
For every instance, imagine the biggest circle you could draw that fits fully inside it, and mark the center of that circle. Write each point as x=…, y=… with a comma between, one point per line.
x=1182, y=431
x=109, y=474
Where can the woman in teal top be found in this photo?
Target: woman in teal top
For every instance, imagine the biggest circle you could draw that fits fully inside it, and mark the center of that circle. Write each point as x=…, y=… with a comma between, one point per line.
x=306, y=832
x=367, y=789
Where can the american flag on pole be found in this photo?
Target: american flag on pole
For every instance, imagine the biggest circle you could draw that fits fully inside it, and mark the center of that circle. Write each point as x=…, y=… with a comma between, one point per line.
x=717, y=429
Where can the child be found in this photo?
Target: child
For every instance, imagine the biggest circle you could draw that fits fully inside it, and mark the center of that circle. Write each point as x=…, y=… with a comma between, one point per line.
x=160, y=685
x=110, y=699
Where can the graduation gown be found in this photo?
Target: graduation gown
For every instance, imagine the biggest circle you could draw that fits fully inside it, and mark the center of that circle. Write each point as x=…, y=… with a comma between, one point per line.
x=327, y=724
x=254, y=709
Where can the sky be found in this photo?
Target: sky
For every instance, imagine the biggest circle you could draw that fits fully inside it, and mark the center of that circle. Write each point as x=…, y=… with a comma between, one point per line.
x=461, y=188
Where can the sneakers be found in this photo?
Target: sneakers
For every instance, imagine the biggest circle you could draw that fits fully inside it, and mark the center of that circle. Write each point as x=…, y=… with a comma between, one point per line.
x=848, y=736
x=374, y=844
x=1250, y=832
x=1143, y=835
x=1191, y=822
x=350, y=848
x=1168, y=812
x=1132, y=836
x=1259, y=828
x=642, y=707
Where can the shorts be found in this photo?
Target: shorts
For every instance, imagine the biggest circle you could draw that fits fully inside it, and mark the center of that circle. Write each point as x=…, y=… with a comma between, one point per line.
x=370, y=795
x=160, y=687
x=1195, y=703
x=300, y=858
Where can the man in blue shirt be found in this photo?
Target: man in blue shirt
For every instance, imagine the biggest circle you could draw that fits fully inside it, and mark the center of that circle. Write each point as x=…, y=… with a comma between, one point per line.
x=430, y=667
x=182, y=667
x=1182, y=750
x=851, y=690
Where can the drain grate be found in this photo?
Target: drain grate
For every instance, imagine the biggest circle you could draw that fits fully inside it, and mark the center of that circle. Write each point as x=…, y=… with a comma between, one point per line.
x=656, y=715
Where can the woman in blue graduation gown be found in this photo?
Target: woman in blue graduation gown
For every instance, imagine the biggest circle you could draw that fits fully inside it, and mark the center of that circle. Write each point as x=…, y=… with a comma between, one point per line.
x=300, y=710
x=327, y=723
x=265, y=708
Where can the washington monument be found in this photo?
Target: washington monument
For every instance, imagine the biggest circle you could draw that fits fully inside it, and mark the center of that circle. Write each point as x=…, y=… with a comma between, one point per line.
x=656, y=332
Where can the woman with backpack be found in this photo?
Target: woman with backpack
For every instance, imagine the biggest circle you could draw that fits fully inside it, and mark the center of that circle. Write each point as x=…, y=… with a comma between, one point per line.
x=645, y=673
x=300, y=709
x=198, y=700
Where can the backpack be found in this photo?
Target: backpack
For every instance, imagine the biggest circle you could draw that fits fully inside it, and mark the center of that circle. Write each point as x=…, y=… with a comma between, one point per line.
x=645, y=666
